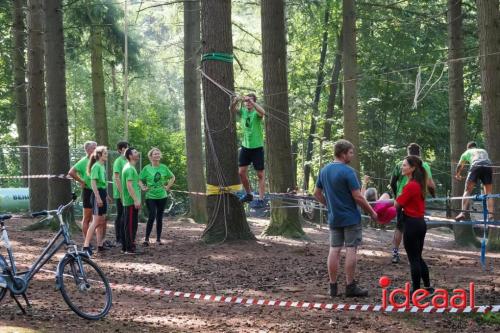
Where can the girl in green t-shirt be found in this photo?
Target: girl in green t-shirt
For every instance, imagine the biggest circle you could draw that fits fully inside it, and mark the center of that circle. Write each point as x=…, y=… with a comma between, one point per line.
x=97, y=175
x=155, y=179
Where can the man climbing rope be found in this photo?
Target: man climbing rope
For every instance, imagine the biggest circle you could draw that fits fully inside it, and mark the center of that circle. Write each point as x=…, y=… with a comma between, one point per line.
x=252, y=145
x=480, y=168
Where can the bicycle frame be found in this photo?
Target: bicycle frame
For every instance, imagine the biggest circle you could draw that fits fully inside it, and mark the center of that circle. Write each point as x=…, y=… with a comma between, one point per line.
x=25, y=277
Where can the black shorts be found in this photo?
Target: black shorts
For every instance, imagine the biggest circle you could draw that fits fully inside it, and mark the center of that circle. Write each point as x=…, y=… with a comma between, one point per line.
x=399, y=220
x=96, y=210
x=86, y=193
x=482, y=172
x=253, y=156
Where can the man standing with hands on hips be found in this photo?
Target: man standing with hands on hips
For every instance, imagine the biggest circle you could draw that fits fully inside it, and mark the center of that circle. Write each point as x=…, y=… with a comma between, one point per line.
x=338, y=189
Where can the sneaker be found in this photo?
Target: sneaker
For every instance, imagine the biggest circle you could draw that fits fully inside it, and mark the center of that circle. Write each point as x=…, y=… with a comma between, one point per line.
x=430, y=290
x=108, y=244
x=333, y=289
x=88, y=250
x=260, y=203
x=247, y=198
x=395, y=258
x=353, y=290
x=102, y=248
x=460, y=217
x=159, y=242
x=146, y=243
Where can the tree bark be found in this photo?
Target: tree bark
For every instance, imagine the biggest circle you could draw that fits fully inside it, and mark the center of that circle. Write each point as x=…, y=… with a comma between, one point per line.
x=489, y=47
x=98, y=96
x=464, y=235
x=192, y=106
x=284, y=221
x=337, y=66
x=317, y=95
x=57, y=116
x=19, y=70
x=351, y=127
x=37, y=127
x=226, y=213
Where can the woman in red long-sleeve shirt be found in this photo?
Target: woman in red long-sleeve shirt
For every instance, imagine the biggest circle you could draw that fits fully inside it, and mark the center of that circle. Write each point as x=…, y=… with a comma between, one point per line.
x=412, y=200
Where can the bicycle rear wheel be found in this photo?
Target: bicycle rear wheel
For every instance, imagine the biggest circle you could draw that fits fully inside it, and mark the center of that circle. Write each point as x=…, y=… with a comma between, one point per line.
x=3, y=266
x=84, y=287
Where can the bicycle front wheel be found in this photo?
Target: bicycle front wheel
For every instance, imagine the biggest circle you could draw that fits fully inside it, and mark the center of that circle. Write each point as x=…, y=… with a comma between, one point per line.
x=84, y=287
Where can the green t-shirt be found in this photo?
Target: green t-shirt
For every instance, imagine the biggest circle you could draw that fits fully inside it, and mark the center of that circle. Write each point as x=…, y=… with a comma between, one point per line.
x=98, y=172
x=130, y=173
x=403, y=180
x=117, y=168
x=474, y=156
x=155, y=179
x=81, y=170
x=251, y=124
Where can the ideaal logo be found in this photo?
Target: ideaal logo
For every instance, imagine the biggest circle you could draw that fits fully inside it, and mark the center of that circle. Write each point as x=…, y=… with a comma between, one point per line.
x=460, y=298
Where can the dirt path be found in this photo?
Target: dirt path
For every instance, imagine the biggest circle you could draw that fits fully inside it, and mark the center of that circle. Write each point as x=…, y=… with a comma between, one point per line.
x=270, y=268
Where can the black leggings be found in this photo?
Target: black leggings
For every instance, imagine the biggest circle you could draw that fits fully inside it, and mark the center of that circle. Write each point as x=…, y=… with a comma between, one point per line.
x=156, y=207
x=413, y=236
x=119, y=220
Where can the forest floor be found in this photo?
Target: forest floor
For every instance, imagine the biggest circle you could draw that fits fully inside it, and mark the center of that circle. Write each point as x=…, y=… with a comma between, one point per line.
x=268, y=268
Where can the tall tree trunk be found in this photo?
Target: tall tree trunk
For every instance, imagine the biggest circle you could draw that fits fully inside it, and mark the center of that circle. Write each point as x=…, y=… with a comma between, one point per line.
x=57, y=116
x=351, y=127
x=19, y=69
x=317, y=95
x=284, y=221
x=226, y=213
x=37, y=127
x=489, y=46
x=192, y=106
x=98, y=97
x=464, y=235
x=327, y=130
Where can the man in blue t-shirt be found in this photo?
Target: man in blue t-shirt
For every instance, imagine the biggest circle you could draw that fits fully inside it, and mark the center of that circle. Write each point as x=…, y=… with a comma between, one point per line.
x=338, y=189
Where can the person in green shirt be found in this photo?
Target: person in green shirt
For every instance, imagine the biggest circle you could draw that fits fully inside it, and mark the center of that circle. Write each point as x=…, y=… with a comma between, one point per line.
x=97, y=174
x=131, y=199
x=252, y=145
x=155, y=179
x=79, y=173
x=480, y=169
x=118, y=165
x=398, y=182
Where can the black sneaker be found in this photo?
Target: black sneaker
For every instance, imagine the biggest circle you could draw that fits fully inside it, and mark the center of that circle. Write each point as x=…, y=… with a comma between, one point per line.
x=88, y=250
x=353, y=290
x=102, y=249
x=146, y=243
x=430, y=290
x=333, y=289
x=247, y=197
x=395, y=258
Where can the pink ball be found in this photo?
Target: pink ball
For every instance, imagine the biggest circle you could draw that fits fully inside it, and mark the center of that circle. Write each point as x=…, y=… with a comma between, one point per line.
x=385, y=211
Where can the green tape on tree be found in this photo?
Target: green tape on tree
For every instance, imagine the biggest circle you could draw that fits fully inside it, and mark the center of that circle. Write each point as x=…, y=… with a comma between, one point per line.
x=224, y=57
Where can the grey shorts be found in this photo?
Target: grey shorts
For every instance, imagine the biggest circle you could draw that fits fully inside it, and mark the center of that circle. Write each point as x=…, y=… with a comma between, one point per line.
x=350, y=236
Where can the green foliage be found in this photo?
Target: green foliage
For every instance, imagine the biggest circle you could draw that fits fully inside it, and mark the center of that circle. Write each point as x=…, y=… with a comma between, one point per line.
x=149, y=131
x=7, y=111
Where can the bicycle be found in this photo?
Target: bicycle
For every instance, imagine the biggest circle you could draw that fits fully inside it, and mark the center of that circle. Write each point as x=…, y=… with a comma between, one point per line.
x=83, y=285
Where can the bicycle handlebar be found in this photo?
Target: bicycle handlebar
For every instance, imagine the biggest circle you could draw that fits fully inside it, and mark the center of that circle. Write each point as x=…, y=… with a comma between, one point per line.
x=36, y=214
x=57, y=211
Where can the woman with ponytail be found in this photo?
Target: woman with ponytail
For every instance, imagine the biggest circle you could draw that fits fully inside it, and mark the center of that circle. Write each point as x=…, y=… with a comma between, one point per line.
x=412, y=201
x=97, y=174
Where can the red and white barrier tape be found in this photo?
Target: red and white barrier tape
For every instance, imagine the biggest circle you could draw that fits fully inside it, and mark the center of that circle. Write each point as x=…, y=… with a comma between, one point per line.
x=63, y=176
x=296, y=304
x=301, y=304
